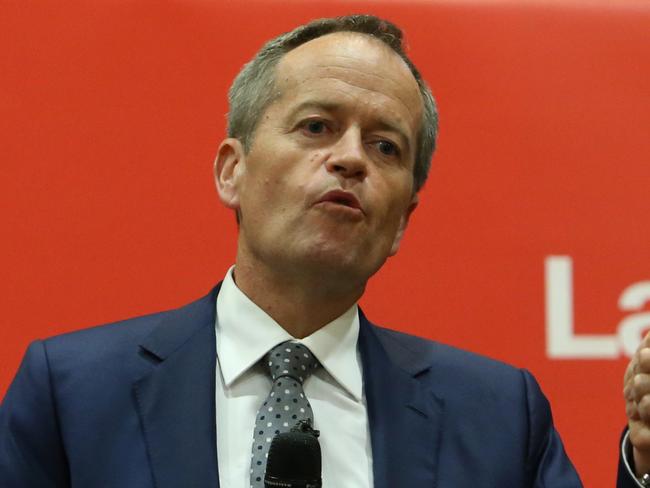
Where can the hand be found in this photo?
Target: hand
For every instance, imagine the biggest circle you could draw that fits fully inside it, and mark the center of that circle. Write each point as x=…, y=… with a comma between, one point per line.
x=636, y=390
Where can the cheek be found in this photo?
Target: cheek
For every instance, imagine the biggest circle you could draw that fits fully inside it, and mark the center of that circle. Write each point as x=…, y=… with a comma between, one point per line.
x=317, y=157
x=395, y=195
x=394, y=214
x=272, y=197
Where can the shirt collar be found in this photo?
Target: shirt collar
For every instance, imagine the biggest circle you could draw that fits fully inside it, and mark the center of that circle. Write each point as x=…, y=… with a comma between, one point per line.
x=245, y=333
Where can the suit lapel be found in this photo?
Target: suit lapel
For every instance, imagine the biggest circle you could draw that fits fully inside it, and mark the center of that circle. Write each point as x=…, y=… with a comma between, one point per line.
x=175, y=400
x=404, y=416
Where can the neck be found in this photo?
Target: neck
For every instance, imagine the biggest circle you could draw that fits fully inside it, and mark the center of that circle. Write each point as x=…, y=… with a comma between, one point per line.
x=300, y=303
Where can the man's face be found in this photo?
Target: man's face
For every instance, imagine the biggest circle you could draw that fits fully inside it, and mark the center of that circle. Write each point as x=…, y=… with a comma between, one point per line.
x=327, y=185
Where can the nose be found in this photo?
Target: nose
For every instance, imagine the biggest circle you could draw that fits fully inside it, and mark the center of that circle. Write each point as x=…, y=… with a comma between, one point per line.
x=348, y=158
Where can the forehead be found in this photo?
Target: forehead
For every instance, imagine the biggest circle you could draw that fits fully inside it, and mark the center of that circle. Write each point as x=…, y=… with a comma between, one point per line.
x=355, y=69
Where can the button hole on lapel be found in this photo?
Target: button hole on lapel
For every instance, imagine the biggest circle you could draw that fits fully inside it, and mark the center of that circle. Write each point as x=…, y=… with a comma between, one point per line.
x=148, y=356
x=418, y=411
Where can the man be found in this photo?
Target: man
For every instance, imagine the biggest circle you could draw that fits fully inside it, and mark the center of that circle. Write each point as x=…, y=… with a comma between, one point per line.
x=331, y=130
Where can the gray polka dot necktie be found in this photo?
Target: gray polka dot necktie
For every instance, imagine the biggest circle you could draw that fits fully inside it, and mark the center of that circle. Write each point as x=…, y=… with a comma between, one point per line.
x=289, y=365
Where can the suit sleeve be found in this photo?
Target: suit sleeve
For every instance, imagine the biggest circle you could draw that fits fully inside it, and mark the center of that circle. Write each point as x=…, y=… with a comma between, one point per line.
x=626, y=478
x=547, y=462
x=31, y=451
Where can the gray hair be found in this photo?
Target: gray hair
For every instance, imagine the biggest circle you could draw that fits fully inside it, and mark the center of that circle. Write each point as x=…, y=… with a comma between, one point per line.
x=254, y=87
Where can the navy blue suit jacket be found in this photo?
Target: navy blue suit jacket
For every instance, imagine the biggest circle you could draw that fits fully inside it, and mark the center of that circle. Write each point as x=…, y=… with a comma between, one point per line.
x=132, y=404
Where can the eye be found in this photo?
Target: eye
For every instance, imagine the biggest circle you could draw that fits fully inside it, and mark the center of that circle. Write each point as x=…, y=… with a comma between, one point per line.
x=388, y=148
x=315, y=126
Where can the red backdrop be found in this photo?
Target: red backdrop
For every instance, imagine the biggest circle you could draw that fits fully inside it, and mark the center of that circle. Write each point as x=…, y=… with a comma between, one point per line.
x=112, y=113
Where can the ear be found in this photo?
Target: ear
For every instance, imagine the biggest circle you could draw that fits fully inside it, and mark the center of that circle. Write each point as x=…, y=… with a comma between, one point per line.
x=403, y=224
x=228, y=168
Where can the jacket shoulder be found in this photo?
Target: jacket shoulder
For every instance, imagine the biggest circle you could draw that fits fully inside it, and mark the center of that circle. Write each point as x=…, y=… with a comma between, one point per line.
x=430, y=354
x=459, y=373
x=485, y=402
x=115, y=344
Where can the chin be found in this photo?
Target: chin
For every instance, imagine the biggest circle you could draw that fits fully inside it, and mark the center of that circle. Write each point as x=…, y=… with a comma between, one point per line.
x=341, y=262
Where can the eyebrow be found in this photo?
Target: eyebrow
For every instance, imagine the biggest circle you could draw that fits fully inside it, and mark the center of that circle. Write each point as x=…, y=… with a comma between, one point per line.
x=381, y=124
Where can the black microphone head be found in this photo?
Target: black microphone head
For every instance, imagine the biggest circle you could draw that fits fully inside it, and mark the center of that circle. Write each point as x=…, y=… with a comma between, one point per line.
x=294, y=461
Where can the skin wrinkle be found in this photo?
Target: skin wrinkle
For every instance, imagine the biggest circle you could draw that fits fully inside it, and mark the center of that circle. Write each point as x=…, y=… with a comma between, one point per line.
x=359, y=39
x=382, y=125
x=403, y=159
x=408, y=145
x=335, y=78
x=326, y=156
x=358, y=70
x=365, y=68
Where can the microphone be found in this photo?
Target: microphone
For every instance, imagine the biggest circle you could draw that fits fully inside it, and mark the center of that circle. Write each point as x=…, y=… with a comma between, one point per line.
x=294, y=459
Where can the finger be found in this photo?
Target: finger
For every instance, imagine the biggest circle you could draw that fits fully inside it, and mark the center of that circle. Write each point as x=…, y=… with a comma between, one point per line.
x=628, y=391
x=643, y=360
x=632, y=411
x=640, y=436
x=641, y=387
x=630, y=371
x=645, y=342
x=643, y=408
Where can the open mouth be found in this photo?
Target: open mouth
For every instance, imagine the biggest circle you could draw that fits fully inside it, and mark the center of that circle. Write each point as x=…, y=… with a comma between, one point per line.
x=344, y=205
x=341, y=198
x=343, y=201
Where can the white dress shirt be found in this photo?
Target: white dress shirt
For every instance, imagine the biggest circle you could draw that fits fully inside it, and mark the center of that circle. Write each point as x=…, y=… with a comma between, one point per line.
x=245, y=333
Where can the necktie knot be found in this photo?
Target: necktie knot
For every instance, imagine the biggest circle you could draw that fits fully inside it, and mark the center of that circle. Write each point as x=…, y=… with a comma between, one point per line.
x=291, y=359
